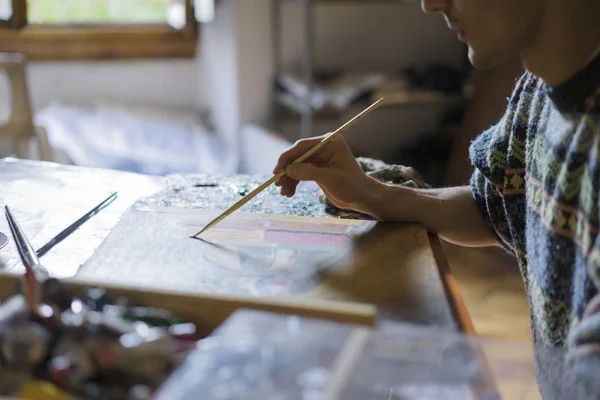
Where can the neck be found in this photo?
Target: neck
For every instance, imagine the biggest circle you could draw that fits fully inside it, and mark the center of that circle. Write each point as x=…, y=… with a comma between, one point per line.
x=568, y=35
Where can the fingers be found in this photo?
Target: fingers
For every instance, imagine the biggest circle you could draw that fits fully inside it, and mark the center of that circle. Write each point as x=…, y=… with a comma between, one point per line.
x=288, y=186
x=307, y=172
x=294, y=152
x=593, y=307
x=303, y=172
x=584, y=351
x=587, y=331
x=583, y=374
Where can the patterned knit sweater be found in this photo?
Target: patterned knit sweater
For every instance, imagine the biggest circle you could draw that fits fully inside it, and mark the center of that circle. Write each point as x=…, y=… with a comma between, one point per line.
x=537, y=183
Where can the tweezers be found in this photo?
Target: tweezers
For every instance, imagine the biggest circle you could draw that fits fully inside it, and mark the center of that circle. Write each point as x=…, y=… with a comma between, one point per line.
x=28, y=255
x=35, y=274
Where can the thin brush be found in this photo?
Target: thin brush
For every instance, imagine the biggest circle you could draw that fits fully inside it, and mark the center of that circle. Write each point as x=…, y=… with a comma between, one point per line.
x=75, y=225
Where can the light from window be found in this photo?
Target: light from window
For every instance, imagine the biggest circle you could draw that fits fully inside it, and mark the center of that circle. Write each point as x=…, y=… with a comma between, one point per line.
x=5, y=9
x=205, y=10
x=104, y=12
x=176, y=15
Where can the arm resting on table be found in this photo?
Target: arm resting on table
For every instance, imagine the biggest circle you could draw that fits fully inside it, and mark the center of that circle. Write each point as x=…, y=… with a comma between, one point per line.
x=451, y=213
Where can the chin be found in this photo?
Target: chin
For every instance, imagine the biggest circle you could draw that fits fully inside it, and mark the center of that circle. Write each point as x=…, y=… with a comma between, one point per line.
x=483, y=61
x=478, y=60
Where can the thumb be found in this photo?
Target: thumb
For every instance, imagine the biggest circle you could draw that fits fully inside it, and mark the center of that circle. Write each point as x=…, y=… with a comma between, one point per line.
x=307, y=172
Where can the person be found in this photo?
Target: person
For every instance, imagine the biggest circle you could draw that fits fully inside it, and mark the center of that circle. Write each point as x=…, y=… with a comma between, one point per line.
x=536, y=176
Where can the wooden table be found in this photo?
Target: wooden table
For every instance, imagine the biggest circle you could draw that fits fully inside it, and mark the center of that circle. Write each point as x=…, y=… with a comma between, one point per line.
x=398, y=267
x=142, y=240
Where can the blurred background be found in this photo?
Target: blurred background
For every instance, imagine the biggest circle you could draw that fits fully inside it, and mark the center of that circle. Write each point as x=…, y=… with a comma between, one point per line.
x=206, y=86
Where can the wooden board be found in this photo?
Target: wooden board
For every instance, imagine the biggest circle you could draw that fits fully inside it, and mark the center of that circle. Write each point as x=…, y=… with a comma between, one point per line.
x=210, y=311
x=391, y=266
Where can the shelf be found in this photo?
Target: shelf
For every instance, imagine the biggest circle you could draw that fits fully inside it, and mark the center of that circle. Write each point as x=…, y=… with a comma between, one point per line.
x=302, y=109
x=391, y=100
x=418, y=98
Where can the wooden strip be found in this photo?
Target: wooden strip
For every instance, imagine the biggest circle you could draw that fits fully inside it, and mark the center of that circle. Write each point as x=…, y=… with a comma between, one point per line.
x=95, y=41
x=345, y=364
x=457, y=303
x=110, y=50
x=52, y=33
x=253, y=221
x=209, y=311
x=306, y=239
x=486, y=389
x=19, y=16
x=190, y=16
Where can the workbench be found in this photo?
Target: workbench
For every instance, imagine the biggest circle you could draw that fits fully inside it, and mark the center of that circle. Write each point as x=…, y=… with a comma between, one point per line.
x=399, y=268
x=47, y=197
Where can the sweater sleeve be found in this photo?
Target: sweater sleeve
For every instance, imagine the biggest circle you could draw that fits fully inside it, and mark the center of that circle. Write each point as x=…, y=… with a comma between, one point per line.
x=490, y=154
x=485, y=187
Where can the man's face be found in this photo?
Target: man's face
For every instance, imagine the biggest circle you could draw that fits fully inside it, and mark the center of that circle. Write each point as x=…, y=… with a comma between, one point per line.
x=494, y=30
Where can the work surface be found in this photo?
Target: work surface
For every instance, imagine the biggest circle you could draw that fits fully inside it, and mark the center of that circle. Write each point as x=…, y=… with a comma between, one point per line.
x=273, y=247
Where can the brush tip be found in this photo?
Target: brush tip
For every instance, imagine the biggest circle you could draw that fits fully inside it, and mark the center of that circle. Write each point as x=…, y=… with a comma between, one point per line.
x=198, y=234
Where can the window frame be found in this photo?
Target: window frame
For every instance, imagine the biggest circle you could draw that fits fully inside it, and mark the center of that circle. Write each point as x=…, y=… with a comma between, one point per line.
x=97, y=41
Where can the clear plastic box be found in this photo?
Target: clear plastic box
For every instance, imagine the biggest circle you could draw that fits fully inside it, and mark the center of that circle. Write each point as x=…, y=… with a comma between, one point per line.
x=256, y=355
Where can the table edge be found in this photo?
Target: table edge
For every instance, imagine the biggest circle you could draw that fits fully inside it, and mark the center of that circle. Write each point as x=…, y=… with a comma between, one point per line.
x=461, y=314
x=458, y=307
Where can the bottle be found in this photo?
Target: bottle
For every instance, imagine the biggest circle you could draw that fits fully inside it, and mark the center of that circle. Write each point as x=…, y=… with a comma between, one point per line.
x=25, y=345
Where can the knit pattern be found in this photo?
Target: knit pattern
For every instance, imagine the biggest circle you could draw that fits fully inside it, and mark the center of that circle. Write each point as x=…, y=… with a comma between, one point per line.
x=536, y=181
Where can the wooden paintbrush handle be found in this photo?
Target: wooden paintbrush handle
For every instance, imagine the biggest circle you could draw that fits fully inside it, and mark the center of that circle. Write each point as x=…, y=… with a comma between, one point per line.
x=242, y=201
x=337, y=132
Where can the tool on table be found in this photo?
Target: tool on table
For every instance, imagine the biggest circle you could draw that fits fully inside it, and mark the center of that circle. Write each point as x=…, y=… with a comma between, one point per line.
x=35, y=273
x=28, y=256
x=75, y=225
x=276, y=177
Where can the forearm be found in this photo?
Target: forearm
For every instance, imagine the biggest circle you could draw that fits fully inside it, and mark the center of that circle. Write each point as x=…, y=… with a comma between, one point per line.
x=450, y=213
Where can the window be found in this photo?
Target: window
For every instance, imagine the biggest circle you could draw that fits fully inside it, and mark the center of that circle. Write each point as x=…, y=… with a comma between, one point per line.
x=100, y=29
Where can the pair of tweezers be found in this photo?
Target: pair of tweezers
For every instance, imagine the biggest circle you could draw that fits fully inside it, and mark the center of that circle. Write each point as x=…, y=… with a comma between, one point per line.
x=35, y=273
x=28, y=256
